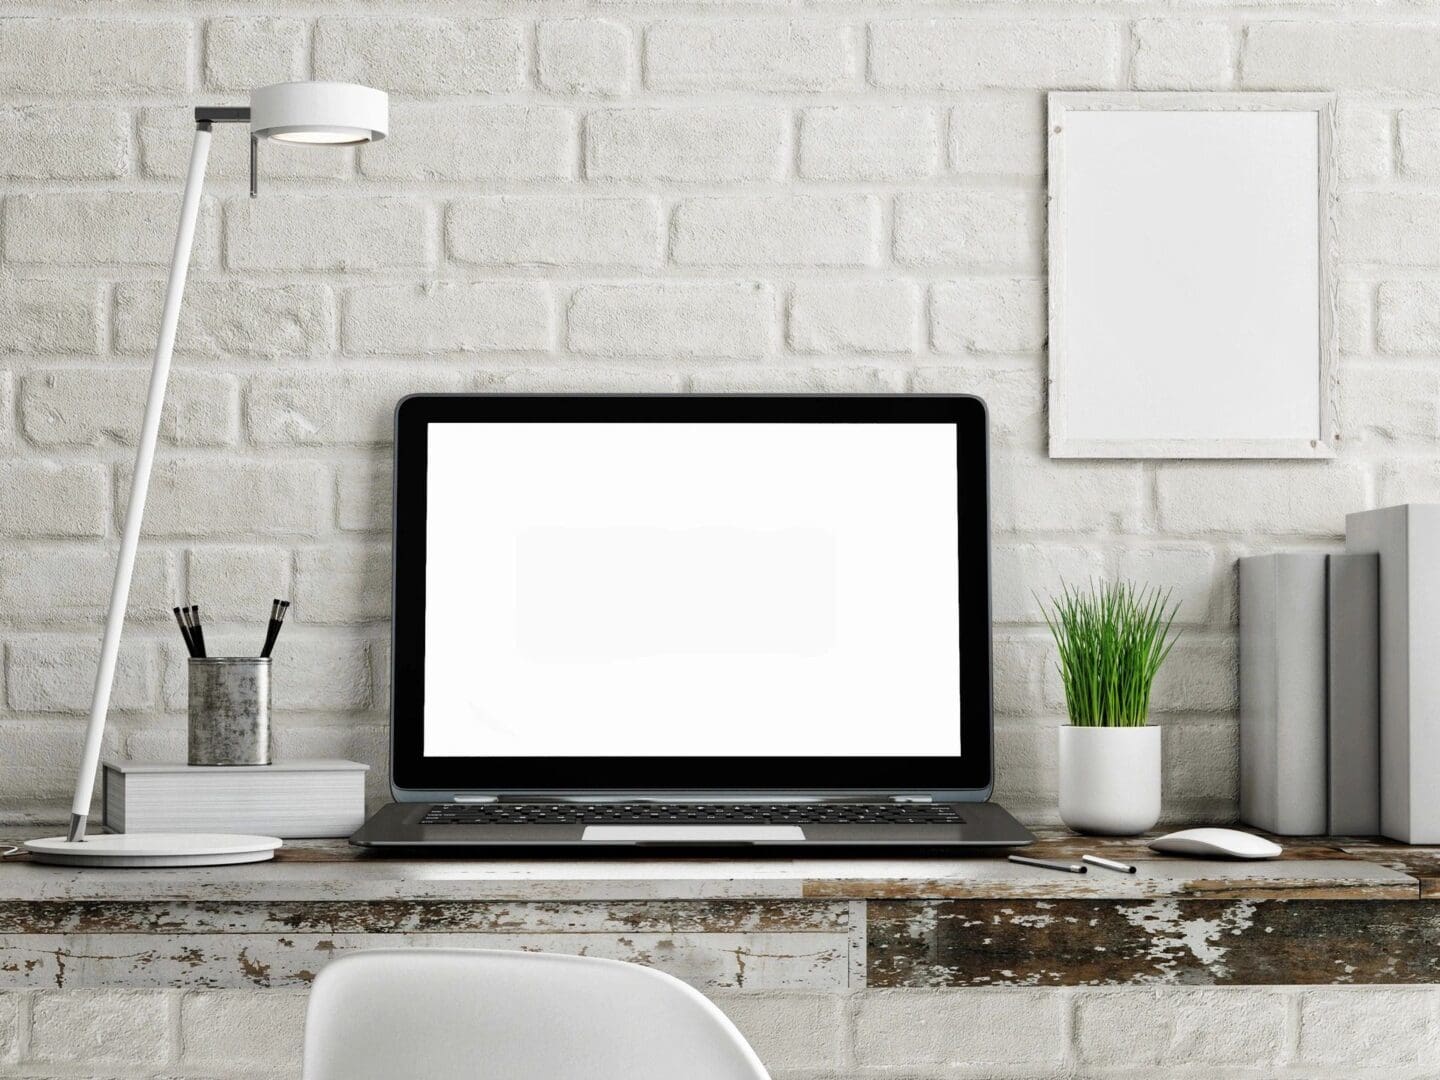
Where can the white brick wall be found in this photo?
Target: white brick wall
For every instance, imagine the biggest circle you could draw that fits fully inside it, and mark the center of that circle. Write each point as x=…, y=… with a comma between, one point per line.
x=634, y=195
x=1242, y=1033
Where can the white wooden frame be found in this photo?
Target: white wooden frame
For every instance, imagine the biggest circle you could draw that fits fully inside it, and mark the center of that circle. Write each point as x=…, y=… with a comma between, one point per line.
x=1062, y=444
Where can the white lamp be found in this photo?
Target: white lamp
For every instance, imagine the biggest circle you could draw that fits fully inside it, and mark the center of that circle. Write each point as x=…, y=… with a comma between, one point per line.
x=304, y=112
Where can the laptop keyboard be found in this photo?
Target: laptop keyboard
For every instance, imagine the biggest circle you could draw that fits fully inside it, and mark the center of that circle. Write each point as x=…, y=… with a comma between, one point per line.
x=692, y=814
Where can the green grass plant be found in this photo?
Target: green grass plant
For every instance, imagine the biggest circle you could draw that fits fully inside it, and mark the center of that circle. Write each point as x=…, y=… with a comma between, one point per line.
x=1112, y=640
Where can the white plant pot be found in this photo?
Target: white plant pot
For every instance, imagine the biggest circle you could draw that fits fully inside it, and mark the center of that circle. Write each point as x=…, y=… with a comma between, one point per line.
x=1110, y=779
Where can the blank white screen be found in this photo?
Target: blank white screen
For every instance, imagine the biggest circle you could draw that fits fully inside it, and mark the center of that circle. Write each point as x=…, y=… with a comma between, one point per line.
x=691, y=589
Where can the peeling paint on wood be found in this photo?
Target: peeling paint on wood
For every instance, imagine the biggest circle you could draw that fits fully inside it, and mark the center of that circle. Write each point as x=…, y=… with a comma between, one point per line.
x=1167, y=941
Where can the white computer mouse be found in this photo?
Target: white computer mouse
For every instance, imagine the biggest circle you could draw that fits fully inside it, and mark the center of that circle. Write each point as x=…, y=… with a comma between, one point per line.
x=1216, y=843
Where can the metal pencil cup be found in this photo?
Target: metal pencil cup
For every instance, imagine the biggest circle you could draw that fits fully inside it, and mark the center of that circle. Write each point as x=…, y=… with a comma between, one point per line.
x=229, y=710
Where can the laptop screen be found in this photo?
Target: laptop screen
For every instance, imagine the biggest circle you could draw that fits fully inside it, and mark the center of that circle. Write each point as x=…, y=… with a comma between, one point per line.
x=691, y=589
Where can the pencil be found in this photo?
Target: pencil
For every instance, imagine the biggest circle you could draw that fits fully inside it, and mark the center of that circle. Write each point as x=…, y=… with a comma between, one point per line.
x=185, y=632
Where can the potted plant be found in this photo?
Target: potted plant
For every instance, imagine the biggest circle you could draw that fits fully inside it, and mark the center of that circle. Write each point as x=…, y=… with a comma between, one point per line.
x=1112, y=640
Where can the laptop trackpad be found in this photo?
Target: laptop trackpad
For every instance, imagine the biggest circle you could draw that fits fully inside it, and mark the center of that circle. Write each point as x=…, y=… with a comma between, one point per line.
x=693, y=834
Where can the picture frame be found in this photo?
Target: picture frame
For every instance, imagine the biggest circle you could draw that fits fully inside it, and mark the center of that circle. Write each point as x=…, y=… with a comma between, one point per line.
x=1192, y=275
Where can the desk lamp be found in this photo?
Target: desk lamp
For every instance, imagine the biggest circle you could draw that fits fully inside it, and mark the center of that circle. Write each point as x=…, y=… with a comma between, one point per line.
x=319, y=113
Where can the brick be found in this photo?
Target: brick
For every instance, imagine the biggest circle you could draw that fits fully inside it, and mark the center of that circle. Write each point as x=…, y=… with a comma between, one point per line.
x=854, y=317
x=423, y=56
x=556, y=231
x=235, y=583
x=1026, y=769
x=583, y=56
x=328, y=408
x=168, y=134
x=1240, y=1026
x=708, y=145
x=1014, y=397
x=580, y=378
x=988, y=315
x=869, y=143
x=1408, y=481
x=999, y=136
x=321, y=232
x=497, y=142
x=242, y=53
x=965, y=54
x=673, y=320
x=906, y=1028
x=1281, y=499
x=1188, y=571
x=1199, y=676
x=103, y=406
x=226, y=318
x=1181, y=54
x=973, y=229
x=789, y=1029
x=94, y=58
x=1068, y=497
x=1408, y=322
x=43, y=499
x=101, y=1027
x=214, y=498
x=1391, y=228
x=49, y=316
x=242, y=1029
x=751, y=54
x=1389, y=405
x=758, y=379
x=776, y=230
x=1369, y=1027
x=57, y=675
x=345, y=585
x=1354, y=313
x=1022, y=570
x=362, y=496
x=1419, y=140
x=321, y=675
x=64, y=142
x=84, y=228
x=7, y=409
x=11, y=1022
x=1200, y=770
x=67, y=585
x=1364, y=144
x=1340, y=55
x=482, y=316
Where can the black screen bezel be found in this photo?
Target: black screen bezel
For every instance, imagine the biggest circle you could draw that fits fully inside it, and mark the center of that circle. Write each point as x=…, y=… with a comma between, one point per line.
x=413, y=775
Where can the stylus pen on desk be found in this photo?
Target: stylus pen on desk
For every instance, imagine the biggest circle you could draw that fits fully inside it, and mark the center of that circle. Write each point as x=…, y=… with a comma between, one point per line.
x=1049, y=864
x=1108, y=864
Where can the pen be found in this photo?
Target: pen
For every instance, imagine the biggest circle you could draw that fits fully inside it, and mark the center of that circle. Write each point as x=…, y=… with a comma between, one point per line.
x=1049, y=864
x=1108, y=864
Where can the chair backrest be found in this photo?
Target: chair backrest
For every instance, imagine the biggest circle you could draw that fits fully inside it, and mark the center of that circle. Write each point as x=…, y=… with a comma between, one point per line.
x=473, y=1014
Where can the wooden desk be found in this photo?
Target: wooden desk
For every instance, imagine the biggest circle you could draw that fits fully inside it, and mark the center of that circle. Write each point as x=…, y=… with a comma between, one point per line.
x=1330, y=911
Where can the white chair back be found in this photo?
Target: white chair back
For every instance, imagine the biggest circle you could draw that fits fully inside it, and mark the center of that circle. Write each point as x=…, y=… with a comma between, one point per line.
x=472, y=1014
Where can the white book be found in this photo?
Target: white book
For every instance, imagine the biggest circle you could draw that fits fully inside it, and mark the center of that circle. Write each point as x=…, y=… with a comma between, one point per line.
x=1407, y=539
x=292, y=800
x=1284, y=743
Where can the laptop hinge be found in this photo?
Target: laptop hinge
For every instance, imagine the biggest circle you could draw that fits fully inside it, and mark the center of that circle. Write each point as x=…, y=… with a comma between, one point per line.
x=476, y=798
x=912, y=798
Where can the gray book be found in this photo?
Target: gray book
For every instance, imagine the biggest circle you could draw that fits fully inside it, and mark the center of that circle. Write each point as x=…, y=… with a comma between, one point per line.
x=1407, y=540
x=1354, y=692
x=291, y=800
x=1283, y=740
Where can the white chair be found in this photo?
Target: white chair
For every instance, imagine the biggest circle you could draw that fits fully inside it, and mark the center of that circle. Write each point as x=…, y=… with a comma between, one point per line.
x=473, y=1014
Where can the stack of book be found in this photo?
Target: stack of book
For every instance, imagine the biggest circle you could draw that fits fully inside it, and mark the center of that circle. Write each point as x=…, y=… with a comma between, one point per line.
x=294, y=800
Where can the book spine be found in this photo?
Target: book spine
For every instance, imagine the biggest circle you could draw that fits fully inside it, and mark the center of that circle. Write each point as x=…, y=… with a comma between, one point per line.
x=1354, y=694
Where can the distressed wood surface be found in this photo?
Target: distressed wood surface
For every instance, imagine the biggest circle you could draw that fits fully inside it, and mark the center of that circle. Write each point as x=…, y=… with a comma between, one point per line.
x=329, y=870
x=1168, y=941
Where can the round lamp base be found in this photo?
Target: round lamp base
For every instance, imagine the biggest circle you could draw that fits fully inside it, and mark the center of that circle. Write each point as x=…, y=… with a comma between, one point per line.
x=153, y=849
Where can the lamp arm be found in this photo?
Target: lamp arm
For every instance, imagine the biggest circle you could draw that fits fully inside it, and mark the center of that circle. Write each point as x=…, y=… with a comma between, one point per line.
x=140, y=483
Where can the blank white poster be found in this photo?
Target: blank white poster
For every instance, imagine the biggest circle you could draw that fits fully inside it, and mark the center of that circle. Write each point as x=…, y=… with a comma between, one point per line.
x=1186, y=283
x=692, y=589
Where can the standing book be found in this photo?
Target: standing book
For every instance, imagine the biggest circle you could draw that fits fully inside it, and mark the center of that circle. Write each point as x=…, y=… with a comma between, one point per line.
x=292, y=800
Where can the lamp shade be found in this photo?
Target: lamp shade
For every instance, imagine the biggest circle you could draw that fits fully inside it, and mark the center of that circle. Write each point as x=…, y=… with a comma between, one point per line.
x=327, y=113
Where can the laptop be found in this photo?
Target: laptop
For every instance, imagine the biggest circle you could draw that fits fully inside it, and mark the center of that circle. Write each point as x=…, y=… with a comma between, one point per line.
x=689, y=621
